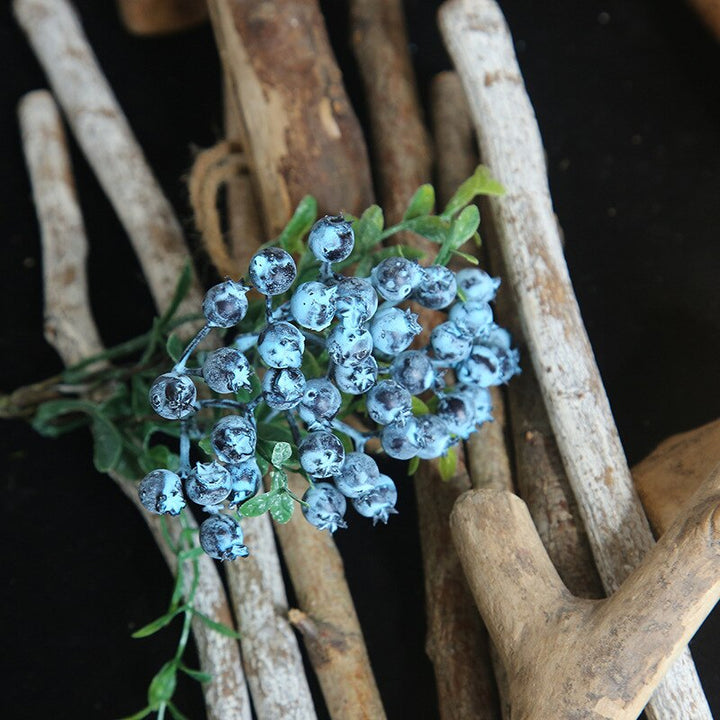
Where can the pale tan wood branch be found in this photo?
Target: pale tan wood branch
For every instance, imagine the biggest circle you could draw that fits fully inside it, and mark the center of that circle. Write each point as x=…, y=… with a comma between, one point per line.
x=569, y=657
x=481, y=47
x=64, y=247
x=299, y=130
x=161, y=17
x=105, y=137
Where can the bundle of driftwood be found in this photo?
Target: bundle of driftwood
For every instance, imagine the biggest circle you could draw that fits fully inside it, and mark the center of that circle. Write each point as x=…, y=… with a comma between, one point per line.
x=536, y=564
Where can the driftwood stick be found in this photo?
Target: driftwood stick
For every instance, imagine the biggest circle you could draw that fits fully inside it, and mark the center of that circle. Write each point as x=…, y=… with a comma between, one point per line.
x=64, y=248
x=481, y=47
x=105, y=137
x=299, y=130
x=569, y=657
x=161, y=17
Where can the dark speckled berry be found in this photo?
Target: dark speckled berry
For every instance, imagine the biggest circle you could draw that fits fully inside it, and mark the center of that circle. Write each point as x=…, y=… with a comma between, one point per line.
x=221, y=537
x=272, y=271
x=325, y=507
x=173, y=396
x=331, y=238
x=233, y=438
x=160, y=492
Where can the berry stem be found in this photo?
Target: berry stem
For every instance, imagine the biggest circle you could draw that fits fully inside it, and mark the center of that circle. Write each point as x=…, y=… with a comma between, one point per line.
x=201, y=335
x=245, y=341
x=184, y=468
x=224, y=403
x=294, y=429
x=268, y=309
x=359, y=439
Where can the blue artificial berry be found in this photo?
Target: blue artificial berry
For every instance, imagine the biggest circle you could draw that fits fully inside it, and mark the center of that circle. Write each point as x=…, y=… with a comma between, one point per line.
x=281, y=345
x=272, y=271
x=358, y=476
x=396, y=441
x=233, y=438
x=227, y=370
x=476, y=285
x=225, y=304
x=321, y=454
x=331, y=238
x=208, y=484
x=389, y=402
x=473, y=318
x=457, y=410
x=348, y=346
x=324, y=507
x=393, y=330
x=172, y=396
x=499, y=340
x=313, y=305
x=283, y=388
x=483, y=367
x=414, y=370
x=356, y=379
x=449, y=343
x=481, y=400
x=246, y=480
x=437, y=289
x=430, y=435
x=356, y=301
x=396, y=277
x=320, y=403
x=379, y=503
x=160, y=492
x=221, y=537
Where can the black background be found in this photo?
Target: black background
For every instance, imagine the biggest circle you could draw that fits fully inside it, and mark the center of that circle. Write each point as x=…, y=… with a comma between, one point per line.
x=628, y=101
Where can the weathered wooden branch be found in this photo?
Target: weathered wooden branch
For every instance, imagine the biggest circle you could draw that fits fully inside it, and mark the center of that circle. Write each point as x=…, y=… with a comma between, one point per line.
x=108, y=143
x=299, y=130
x=161, y=17
x=480, y=44
x=569, y=657
x=64, y=249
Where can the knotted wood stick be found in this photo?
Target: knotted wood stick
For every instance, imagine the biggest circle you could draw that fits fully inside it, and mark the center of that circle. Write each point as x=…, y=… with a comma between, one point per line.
x=481, y=47
x=64, y=249
x=161, y=17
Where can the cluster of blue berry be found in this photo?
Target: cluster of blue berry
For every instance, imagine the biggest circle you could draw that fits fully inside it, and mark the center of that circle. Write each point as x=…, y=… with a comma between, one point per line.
x=362, y=329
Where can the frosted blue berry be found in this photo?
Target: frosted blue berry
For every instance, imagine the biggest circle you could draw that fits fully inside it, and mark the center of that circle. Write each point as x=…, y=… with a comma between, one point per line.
x=225, y=304
x=430, y=435
x=359, y=475
x=413, y=370
x=473, y=318
x=283, y=388
x=208, y=484
x=395, y=441
x=221, y=537
x=499, y=340
x=396, y=277
x=331, y=238
x=483, y=367
x=325, y=507
x=449, y=343
x=160, y=492
x=389, y=402
x=393, y=330
x=356, y=301
x=348, y=346
x=476, y=285
x=313, y=305
x=246, y=479
x=482, y=402
x=457, y=410
x=233, y=438
x=172, y=396
x=320, y=403
x=379, y=503
x=321, y=454
x=437, y=289
x=356, y=379
x=227, y=370
x=272, y=271
x=281, y=345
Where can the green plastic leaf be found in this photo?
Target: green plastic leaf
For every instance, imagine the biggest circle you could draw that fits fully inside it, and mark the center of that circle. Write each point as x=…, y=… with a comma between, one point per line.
x=49, y=412
x=162, y=685
x=181, y=290
x=462, y=229
x=469, y=258
x=198, y=675
x=432, y=227
x=281, y=453
x=206, y=446
x=139, y=390
x=257, y=505
x=175, y=713
x=216, y=626
x=419, y=407
x=158, y=456
x=278, y=480
x=413, y=465
x=447, y=464
x=174, y=347
x=282, y=508
x=421, y=203
x=368, y=229
x=108, y=443
x=291, y=238
x=263, y=464
x=480, y=182
x=152, y=627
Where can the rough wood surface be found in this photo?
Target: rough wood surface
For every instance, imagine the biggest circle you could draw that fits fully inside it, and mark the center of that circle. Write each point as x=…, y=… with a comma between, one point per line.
x=51, y=178
x=299, y=130
x=481, y=47
x=672, y=472
x=572, y=658
x=107, y=141
x=161, y=17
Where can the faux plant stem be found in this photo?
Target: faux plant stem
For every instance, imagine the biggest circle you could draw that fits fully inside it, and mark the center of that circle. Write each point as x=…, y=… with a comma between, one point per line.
x=107, y=141
x=161, y=17
x=480, y=44
x=226, y=696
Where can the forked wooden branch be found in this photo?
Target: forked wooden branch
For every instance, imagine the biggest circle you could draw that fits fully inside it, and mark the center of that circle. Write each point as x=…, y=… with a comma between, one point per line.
x=64, y=249
x=480, y=44
x=569, y=657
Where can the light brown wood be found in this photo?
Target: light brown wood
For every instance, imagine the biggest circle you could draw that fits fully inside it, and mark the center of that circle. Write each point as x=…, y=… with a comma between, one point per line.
x=569, y=657
x=161, y=17
x=672, y=472
x=481, y=47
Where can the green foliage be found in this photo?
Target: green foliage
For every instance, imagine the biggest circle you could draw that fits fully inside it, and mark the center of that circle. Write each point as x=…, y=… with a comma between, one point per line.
x=447, y=464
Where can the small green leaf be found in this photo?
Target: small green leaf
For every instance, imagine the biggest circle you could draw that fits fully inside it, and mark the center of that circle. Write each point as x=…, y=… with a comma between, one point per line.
x=421, y=203
x=278, y=480
x=480, y=182
x=281, y=453
x=49, y=412
x=206, y=446
x=191, y=554
x=138, y=715
x=432, y=227
x=263, y=464
x=152, y=627
x=139, y=390
x=158, y=456
x=174, y=347
x=469, y=258
x=447, y=464
x=291, y=238
x=162, y=685
x=198, y=675
x=419, y=407
x=181, y=290
x=368, y=233
x=413, y=465
x=257, y=505
x=216, y=626
x=462, y=229
x=282, y=508
x=175, y=713
x=108, y=443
